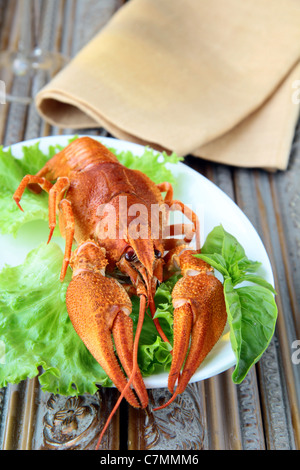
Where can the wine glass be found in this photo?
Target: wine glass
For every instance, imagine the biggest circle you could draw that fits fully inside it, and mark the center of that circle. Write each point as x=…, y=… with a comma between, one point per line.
x=29, y=59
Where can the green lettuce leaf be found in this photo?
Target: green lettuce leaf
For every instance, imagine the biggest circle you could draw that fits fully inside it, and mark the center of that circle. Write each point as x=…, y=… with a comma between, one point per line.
x=12, y=171
x=154, y=355
x=152, y=163
x=251, y=310
x=36, y=330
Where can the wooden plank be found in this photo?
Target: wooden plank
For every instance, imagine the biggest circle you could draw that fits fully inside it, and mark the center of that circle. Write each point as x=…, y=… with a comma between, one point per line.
x=252, y=428
x=285, y=333
x=223, y=428
x=255, y=198
x=286, y=196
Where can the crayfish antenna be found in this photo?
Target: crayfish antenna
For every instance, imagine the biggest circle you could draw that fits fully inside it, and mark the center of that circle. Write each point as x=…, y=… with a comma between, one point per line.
x=134, y=368
x=175, y=394
x=156, y=321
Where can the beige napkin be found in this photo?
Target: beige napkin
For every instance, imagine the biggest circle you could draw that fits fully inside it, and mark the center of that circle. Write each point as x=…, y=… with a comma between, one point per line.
x=210, y=78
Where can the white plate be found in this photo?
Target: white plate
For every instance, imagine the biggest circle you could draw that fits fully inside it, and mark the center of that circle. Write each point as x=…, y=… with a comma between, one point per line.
x=213, y=207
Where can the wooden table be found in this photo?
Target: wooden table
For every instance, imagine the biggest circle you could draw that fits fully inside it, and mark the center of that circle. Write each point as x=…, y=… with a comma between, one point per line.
x=262, y=412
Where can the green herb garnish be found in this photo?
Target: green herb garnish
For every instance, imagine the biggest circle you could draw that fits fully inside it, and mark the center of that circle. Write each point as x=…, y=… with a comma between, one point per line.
x=251, y=309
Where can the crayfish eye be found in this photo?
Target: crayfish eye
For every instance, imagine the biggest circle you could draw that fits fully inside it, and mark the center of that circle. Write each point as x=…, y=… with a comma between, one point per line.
x=130, y=255
x=157, y=253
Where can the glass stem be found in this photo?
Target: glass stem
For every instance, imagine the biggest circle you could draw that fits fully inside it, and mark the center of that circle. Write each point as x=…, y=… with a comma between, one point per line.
x=27, y=42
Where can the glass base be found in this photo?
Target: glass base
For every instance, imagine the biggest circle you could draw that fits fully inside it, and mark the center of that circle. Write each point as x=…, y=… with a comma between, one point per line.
x=27, y=65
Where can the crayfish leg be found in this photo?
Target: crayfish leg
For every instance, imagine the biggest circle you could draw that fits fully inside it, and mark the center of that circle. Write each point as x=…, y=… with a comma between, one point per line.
x=56, y=194
x=67, y=227
x=36, y=182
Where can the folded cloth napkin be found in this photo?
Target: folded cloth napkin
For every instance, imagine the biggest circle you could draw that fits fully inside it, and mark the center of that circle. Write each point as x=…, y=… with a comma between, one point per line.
x=210, y=78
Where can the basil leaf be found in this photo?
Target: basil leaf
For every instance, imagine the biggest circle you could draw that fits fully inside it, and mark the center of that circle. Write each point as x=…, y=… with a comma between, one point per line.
x=257, y=280
x=231, y=255
x=252, y=315
x=232, y=250
x=251, y=310
x=234, y=315
x=220, y=242
x=249, y=266
x=216, y=261
x=214, y=241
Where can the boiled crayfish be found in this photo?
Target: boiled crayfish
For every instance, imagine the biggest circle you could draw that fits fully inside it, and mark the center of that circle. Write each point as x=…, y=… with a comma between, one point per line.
x=98, y=200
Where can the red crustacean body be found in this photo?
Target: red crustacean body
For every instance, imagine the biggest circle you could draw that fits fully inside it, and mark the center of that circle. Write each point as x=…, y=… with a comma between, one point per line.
x=125, y=245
